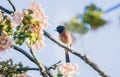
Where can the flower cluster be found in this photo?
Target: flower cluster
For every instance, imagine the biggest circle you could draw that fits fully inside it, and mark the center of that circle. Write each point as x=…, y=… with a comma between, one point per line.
x=18, y=17
x=9, y=68
x=6, y=28
x=31, y=24
x=39, y=14
x=6, y=25
x=5, y=42
x=68, y=69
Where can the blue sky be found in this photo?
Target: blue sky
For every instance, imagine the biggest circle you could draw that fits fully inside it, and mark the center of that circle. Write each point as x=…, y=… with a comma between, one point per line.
x=101, y=45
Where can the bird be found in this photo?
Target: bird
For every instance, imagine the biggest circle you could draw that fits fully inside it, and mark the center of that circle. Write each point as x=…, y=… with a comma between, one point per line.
x=65, y=37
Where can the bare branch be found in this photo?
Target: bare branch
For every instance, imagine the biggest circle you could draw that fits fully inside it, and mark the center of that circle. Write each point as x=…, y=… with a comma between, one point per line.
x=26, y=69
x=112, y=8
x=84, y=57
x=39, y=64
x=35, y=69
x=24, y=53
x=5, y=10
x=31, y=59
x=54, y=65
x=12, y=5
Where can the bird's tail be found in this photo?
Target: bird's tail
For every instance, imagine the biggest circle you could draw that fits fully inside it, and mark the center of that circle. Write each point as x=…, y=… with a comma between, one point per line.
x=67, y=56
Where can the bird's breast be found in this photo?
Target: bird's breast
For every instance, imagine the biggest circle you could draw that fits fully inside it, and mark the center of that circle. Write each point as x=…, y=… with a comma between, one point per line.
x=65, y=37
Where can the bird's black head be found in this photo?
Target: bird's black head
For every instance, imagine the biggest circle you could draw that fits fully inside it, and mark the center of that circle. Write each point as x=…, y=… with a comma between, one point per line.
x=60, y=28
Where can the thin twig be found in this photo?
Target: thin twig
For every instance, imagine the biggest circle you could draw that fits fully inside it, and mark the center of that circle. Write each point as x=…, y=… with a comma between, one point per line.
x=5, y=10
x=24, y=53
x=84, y=57
x=112, y=8
x=26, y=69
x=40, y=65
x=35, y=69
x=12, y=5
x=54, y=65
x=31, y=59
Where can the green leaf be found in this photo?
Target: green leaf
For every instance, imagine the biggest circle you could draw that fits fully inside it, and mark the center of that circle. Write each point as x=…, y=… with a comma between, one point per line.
x=76, y=26
x=59, y=75
x=93, y=16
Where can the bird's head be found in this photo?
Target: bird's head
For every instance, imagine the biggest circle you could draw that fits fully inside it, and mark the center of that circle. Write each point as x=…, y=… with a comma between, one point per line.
x=60, y=28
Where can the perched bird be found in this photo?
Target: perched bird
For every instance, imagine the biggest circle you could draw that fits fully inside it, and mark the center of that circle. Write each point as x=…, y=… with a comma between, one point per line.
x=65, y=37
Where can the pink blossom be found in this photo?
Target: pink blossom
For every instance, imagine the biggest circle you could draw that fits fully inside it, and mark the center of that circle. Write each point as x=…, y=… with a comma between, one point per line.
x=18, y=17
x=38, y=45
x=36, y=29
x=43, y=23
x=5, y=42
x=37, y=10
x=21, y=75
x=68, y=69
x=1, y=17
x=39, y=14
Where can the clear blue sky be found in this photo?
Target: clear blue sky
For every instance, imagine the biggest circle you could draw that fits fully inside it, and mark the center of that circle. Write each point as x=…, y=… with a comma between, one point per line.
x=103, y=45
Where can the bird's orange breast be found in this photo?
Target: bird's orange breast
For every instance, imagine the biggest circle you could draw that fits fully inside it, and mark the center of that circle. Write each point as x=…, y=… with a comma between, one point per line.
x=65, y=37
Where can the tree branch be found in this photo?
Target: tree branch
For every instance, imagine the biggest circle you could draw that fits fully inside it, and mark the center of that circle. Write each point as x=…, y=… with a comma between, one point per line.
x=24, y=53
x=112, y=8
x=84, y=57
x=39, y=64
x=26, y=69
x=5, y=10
x=54, y=65
x=31, y=59
x=12, y=5
x=36, y=69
